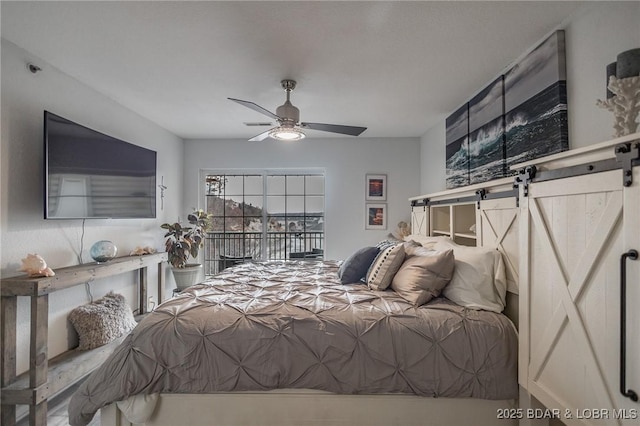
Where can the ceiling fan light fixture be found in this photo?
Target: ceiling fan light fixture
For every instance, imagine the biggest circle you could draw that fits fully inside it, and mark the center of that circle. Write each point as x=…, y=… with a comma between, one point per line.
x=288, y=118
x=287, y=134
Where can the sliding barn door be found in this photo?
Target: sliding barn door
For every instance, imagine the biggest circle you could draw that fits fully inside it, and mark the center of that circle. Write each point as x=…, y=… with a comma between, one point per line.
x=497, y=226
x=420, y=220
x=574, y=232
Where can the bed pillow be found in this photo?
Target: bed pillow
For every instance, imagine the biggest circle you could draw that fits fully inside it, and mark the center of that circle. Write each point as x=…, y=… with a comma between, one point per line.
x=421, y=278
x=102, y=321
x=355, y=267
x=411, y=248
x=479, y=279
x=390, y=243
x=385, y=266
x=410, y=244
x=426, y=241
x=387, y=243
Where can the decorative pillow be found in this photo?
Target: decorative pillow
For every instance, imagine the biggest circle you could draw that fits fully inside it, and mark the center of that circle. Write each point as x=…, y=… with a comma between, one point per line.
x=479, y=280
x=421, y=278
x=411, y=248
x=102, y=321
x=425, y=241
x=385, y=266
x=355, y=267
x=387, y=243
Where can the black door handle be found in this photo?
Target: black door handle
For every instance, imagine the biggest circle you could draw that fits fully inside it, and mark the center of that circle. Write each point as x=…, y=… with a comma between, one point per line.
x=633, y=255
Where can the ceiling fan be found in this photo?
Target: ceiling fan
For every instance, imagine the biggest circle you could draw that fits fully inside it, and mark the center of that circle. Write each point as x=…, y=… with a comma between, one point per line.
x=288, y=117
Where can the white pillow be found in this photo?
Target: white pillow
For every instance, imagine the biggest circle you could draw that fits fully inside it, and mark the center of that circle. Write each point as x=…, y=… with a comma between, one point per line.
x=411, y=250
x=479, y=279
x=427, y=241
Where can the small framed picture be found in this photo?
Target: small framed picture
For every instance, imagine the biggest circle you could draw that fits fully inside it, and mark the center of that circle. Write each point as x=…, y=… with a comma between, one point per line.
x=376, y=188
x=376, y=216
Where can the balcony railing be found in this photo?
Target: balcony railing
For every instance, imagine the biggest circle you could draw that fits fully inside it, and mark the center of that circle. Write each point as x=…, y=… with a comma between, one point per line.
x=224, y=249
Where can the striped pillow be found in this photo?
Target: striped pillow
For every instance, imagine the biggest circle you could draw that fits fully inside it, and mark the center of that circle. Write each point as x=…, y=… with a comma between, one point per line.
x=385, y=266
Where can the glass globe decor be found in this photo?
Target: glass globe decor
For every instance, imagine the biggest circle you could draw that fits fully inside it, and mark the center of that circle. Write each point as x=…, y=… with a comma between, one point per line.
x=103, y=251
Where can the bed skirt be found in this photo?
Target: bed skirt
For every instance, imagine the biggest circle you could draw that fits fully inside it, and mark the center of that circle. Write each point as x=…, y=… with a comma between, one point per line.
x=306, y=407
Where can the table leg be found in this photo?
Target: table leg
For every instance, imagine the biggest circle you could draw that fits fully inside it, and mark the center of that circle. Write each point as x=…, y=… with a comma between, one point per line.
x=8, y=309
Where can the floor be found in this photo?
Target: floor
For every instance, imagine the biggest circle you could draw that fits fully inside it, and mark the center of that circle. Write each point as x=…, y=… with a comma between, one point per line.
x=58, y=416
x=57, y=413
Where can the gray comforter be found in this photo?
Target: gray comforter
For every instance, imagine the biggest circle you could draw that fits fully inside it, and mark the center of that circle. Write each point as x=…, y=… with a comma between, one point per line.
x=269, y=325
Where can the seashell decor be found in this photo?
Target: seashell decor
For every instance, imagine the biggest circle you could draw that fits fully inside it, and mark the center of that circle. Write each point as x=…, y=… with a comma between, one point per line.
x=35, y=266
x=139, y=251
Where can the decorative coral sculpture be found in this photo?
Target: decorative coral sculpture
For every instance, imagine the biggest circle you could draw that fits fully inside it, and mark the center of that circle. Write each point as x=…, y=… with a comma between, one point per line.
x=35, y=266
x=625, y=105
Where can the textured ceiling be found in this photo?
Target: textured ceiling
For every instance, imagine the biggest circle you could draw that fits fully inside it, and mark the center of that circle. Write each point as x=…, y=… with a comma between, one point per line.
x=394, y=67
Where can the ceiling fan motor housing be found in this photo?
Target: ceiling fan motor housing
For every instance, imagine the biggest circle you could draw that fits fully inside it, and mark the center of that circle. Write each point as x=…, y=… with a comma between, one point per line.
x=289, y=114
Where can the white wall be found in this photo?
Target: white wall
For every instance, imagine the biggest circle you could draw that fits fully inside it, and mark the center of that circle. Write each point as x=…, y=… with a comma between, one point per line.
x=594, y=37
x=433, y=158
x=23, y=229
x=346, y=161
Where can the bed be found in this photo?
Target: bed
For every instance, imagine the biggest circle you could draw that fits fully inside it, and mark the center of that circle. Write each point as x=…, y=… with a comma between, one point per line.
x=567, y=227
x=285, y=342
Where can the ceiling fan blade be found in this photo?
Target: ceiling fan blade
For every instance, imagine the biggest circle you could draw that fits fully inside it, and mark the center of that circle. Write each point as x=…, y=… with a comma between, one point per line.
x=334, y=128
x=262, y=136
x=255, y=107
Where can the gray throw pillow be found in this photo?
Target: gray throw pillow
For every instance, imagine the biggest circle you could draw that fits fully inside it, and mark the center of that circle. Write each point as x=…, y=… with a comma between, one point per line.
x=355, y=267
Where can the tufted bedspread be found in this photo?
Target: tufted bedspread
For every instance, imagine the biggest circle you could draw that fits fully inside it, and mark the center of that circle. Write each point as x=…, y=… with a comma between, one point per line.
x=291, y=324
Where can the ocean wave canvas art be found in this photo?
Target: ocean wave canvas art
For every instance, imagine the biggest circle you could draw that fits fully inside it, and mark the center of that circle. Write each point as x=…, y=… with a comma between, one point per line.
x=536, y=103
x=486, y=134
x=486, y=152
x=457, y=149
x=520, y=116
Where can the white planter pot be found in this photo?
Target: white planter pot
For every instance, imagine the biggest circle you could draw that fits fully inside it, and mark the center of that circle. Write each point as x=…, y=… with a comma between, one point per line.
x=187, y=276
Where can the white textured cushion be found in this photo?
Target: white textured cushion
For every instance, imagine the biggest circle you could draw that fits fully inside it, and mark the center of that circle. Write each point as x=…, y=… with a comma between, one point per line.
x=102, y=321
x=385, y=266
x=422, y=277
x=479, y=279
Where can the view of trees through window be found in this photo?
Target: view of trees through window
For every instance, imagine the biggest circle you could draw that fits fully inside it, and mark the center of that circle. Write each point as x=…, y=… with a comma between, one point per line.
x=263, y=216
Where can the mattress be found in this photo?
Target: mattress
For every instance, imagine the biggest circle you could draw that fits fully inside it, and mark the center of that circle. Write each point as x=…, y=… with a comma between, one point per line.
x=291, y=324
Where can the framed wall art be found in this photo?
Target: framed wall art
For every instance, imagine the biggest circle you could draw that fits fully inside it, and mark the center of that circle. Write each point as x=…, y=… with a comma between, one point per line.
x=536, y=103
x=376, y=187
x=457, y=151
x=376, y=216
x=486, y=134
x=520, y=116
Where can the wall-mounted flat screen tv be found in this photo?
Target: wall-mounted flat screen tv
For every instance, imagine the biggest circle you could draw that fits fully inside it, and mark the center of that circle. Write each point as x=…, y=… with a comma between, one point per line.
x=91, y=175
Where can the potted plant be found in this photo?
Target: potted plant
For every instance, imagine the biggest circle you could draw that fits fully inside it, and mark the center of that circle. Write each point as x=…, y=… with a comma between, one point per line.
x=184, y=242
